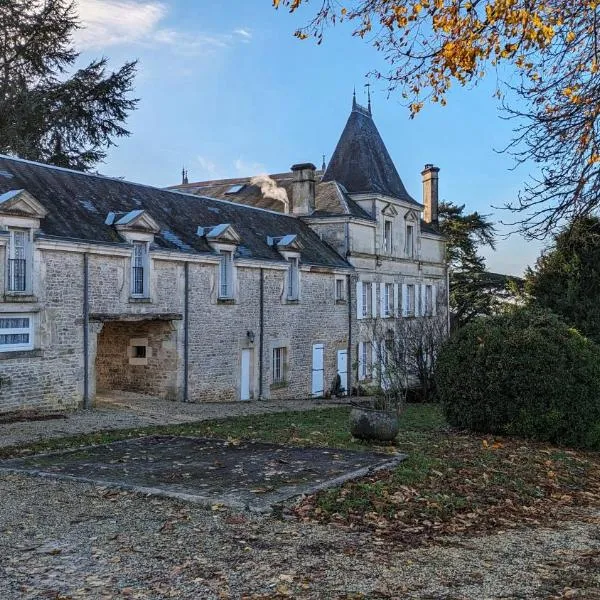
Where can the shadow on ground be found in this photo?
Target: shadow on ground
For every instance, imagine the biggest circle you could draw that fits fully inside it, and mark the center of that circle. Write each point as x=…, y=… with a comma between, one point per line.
x=242, y=475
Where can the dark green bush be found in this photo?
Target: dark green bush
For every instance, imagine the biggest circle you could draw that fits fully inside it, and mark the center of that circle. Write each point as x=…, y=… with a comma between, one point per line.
x=522, y=373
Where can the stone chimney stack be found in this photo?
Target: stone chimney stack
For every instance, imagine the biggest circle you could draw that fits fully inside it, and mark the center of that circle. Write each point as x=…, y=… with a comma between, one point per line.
x=430, y=194
x=303, y=189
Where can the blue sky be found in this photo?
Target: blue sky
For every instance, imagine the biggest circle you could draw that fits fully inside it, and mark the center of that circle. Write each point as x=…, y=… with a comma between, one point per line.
x=228, y=91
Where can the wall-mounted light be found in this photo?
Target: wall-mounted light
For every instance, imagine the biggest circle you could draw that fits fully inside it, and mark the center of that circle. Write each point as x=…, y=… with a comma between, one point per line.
x=250, y=336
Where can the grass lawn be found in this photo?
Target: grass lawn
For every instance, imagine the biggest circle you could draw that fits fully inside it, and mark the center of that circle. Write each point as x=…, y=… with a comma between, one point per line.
x=451, y=482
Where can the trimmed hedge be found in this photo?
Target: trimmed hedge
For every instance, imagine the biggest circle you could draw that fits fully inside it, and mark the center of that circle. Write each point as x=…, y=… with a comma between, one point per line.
x=522, y=373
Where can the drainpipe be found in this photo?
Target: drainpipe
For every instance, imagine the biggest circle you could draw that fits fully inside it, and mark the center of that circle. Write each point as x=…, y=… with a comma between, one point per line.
x=261, y=338
x=86, y=333
x=349, y=355
x=186, y=329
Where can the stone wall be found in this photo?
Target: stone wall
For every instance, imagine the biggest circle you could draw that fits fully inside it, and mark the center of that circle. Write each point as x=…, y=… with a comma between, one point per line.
x=117, y=368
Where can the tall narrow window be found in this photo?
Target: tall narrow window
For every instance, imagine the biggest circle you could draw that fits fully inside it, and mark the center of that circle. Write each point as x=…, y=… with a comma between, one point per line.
x=19, y=260
x=410, y=304
x=279, y=364
x=293, y=279
x=340, y=290
x=428, y=300
x=410, y=240
x=367, y=300
x=16, y=332
x=387, y=236
x=365, y=356
x=226, y=275
x=139, y=270
x=388, y=300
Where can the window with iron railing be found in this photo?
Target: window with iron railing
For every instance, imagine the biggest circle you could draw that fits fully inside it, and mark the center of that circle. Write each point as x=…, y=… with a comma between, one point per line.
x=139, y=270
x=19, y=261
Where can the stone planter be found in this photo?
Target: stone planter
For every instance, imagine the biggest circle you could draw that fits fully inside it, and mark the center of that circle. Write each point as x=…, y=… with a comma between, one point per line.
x=371, y=424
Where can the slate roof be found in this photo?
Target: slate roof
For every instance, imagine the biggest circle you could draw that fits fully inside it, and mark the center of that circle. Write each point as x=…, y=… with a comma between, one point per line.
x=331, y=199
x=78, y=204
x=361, y=162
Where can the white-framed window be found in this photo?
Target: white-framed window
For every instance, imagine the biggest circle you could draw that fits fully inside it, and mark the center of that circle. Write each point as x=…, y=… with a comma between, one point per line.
x=410, y=300
x=410, y=241
x=367, y=299
x=388, y=243
x=140, y=270
x=279, y=364
x=388, y=300
x=226, y=275
x=428, y=300
x=340, y=290
x=293, y=282
x=365, y=358
x=16, y=332
x=19, y=261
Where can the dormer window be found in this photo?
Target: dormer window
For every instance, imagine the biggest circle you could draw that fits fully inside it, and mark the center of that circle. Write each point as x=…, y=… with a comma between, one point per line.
x=410, y=241
x=388, y=236
x=19, y=257
x=226, y=275
x=293, y=283
x=140, y=270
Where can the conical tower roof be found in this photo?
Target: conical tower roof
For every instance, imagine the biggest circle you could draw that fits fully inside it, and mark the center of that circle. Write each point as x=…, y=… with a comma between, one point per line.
x=361, y=162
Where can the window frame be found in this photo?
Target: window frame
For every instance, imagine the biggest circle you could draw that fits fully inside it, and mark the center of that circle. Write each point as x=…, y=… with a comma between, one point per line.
x=388, y=300
x=226, y=281
x=411, y=301
x=388, y=237
x=340, y=294
x=27, y=258
x=367, y=299
x=410, y=240
x=293, y=279
x=144, y=259
x=29, y=330
x=279, y=365
x=365, y=361
x=428, y=300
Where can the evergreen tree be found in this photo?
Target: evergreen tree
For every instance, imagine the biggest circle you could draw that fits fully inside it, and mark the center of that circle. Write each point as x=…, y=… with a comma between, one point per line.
x=46, y=113
x=472, y=291
x=566, y=278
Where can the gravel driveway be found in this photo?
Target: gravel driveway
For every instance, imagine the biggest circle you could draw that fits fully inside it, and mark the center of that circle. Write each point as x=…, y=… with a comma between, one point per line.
x=66, y=540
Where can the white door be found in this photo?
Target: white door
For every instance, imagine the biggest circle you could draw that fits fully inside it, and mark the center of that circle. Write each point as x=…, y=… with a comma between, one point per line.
x=246, y=370
x=342, y=367
x=318, y=389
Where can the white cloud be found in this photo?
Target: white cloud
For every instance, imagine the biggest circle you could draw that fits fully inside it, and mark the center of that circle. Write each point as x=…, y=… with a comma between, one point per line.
x=247, y=169
x=117, y=22
x=110, y=22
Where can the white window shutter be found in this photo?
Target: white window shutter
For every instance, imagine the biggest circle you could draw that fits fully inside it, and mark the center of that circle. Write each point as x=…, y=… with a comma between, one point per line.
x=374, y=300
x=396, y=300
x=404, y=300
x=359, y=300
x=382, y=299
x=434, y=300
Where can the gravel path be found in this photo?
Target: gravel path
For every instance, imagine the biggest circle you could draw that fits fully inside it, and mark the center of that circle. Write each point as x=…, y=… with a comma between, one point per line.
x=129, y=411
x=66, y=540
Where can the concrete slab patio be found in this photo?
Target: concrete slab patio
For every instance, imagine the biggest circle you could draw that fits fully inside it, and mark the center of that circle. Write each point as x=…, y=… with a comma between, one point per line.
x=244, y=475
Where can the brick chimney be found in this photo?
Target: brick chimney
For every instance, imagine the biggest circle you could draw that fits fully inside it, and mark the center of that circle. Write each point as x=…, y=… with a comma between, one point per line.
x=303, y=189
x=430, y=193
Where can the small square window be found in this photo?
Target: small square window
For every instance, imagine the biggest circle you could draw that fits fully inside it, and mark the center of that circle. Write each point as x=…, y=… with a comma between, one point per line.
x=139, y=352
x=16, y=332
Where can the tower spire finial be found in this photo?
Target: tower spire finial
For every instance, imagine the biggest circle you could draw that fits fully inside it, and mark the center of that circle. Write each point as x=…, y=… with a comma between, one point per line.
x=184, y=176
x=354, y=99
x=368, y=86
x=324, y=166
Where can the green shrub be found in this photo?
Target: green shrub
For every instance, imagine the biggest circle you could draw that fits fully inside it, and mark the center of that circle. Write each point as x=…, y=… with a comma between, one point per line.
x=522, y=373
